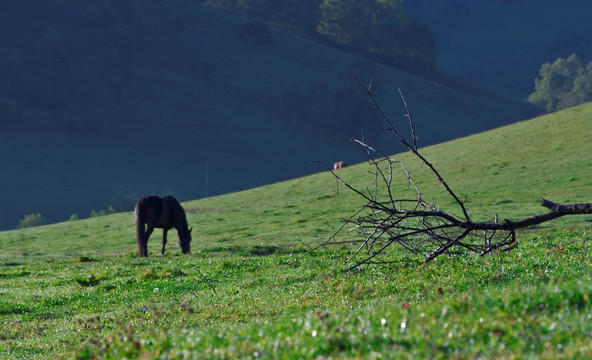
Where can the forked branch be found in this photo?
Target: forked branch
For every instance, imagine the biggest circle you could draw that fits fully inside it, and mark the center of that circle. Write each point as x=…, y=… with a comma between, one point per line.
x=416, y=225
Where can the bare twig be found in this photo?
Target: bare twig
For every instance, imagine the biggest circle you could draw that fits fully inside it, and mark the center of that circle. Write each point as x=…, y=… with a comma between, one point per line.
x=392, y=129
x=410, y=119
x=419, y=227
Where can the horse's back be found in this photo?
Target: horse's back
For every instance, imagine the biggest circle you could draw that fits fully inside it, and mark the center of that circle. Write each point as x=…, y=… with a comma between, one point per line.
x=148, y=201
x=159, y=212
x=171, y=201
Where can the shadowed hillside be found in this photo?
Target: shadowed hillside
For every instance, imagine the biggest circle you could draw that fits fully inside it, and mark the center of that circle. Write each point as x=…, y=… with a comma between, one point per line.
x=502, y=44
x=161, y=97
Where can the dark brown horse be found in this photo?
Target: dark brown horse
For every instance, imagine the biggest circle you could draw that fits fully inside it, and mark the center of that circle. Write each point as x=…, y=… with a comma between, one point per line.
x=163, y=213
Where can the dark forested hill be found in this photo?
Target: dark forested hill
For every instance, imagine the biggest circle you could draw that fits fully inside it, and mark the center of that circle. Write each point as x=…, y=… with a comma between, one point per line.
x=502, y=44
x=103, y=101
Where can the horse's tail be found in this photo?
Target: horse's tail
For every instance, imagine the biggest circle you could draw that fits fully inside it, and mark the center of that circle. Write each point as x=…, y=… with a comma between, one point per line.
x=140, y=231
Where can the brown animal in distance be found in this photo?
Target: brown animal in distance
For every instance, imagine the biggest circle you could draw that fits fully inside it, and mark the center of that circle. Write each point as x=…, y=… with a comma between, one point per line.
x=339, y=165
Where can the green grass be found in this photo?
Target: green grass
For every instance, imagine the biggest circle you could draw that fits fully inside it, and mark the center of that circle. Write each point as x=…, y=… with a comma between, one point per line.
x=250, y=288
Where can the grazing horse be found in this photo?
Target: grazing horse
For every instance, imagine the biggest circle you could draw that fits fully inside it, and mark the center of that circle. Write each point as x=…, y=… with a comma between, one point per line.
x=339, y=165
x=163, y=213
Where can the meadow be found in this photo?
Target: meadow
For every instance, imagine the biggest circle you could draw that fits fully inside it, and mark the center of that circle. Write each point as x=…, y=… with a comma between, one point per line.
x=251, y=287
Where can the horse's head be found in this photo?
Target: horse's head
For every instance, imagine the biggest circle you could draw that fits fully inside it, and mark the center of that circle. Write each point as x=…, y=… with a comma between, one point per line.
x=185, y=240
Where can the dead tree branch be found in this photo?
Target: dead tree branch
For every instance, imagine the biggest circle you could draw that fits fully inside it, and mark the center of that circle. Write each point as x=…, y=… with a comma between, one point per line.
x=416, y=225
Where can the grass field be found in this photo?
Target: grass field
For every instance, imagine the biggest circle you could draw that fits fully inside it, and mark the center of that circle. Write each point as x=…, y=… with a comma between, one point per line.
x=251, y=289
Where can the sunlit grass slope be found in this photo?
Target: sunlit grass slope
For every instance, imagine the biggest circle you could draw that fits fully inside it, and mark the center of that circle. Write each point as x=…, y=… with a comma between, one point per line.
x=250, y=290
x=504, y=171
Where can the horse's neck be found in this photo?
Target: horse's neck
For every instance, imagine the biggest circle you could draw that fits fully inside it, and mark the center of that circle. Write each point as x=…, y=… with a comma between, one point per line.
x=173, y=212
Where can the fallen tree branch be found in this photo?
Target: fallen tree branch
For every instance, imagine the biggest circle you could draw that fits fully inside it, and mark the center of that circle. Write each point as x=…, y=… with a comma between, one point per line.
x=416, y=225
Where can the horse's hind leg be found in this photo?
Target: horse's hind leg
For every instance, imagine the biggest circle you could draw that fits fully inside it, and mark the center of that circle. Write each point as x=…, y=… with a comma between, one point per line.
x=144, y=249
x=164, y=240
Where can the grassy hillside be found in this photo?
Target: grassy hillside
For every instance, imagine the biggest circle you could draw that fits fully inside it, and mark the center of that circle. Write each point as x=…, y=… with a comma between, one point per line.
x=504, y=171
x=151, y=101
x=249, y=288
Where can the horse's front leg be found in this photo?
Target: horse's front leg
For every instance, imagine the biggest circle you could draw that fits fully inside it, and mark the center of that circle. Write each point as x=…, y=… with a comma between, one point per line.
x=164, y=240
